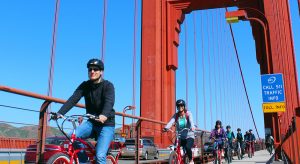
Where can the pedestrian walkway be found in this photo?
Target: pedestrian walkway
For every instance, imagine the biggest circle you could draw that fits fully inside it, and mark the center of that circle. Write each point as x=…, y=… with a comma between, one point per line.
x=259, y=157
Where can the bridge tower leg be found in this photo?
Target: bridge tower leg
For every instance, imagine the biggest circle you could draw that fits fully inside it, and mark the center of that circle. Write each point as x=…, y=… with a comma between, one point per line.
x=285, y=125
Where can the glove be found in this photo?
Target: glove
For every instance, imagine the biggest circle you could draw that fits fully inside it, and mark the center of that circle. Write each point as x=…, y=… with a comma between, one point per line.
x=55, y=116
x=165, y=129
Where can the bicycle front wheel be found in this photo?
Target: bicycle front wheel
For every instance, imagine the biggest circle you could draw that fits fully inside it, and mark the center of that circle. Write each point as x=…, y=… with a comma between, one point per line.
x=59, y=158
x=173, y=159
x=110, y=159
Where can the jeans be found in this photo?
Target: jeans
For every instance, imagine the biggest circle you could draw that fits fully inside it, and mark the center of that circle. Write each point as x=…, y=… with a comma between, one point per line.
x=187, y=145
x=105, y=135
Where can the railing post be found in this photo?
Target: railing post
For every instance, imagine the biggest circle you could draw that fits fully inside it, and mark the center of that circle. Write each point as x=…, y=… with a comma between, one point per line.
x=202, y=148
x=137, y=142
x=42, y=132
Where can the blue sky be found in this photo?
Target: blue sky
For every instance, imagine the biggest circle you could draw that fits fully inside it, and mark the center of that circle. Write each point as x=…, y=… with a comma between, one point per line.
x=25, y=46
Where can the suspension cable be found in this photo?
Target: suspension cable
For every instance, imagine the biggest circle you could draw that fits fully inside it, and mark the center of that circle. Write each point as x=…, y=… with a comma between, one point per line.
x=203, y=70
x=134, y=56
x=214, y=65
x=186, y=64
x=53, y=48
x=209, y=75
x=196, y=65
x=241, y=73
x=104, y=30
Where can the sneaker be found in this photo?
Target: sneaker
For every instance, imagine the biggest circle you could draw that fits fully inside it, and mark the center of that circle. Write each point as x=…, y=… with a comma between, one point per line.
x=191, y=162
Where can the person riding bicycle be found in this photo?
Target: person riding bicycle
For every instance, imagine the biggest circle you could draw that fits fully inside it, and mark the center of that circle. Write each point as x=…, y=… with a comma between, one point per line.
x=218, y=134
x=239, y=139
x=269, y=142
x=99, y=95
x=230, y=136
x=183, y=119
x=252, y=139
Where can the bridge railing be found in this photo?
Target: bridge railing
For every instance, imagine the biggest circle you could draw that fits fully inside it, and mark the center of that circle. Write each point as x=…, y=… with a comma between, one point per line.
x=43, y=121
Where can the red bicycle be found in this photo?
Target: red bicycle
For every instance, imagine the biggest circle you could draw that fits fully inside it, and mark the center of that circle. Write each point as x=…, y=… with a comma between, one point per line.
x=70, y=154
x=250, y=148
x=218, y=151
x=176, y=156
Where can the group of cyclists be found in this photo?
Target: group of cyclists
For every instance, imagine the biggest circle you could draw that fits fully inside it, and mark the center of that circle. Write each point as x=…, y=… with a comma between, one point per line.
x=219, y=136
x=183, y=119
x=99, y=95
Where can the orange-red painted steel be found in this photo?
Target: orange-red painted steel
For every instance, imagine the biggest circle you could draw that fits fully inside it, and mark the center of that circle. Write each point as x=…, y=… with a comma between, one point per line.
x=161, y=22
x=15, y=143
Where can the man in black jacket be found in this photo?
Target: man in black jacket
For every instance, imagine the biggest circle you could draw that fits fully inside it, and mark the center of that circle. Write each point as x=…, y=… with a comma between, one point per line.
x=99, y=95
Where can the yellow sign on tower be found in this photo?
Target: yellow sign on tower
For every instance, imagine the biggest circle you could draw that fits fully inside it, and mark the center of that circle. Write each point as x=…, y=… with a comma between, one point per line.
x=273, y=107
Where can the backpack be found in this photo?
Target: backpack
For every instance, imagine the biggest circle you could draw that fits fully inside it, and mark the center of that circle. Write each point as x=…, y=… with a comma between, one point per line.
x=186, y=116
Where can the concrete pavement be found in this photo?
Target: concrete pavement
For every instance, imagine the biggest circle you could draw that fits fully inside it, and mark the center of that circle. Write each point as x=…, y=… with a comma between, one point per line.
x=260, y=157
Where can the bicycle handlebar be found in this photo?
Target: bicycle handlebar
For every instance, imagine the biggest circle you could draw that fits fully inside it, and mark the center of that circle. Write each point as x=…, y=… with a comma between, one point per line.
x=56, y=116
x=180, y=130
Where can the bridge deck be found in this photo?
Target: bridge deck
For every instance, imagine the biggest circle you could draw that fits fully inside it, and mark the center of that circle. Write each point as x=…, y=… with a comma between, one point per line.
x=259, y=157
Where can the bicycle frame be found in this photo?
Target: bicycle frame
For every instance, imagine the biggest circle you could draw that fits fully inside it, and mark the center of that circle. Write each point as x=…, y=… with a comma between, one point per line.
x=218, y=150
x=180, y=158
x=250, y=148
x=72, y=152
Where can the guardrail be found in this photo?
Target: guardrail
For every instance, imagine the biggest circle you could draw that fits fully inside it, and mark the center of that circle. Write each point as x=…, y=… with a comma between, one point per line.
x=43, y=120
x=15, y=143
x=12, y=155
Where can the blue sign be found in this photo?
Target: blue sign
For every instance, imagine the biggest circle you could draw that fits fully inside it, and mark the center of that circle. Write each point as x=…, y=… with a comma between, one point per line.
x=272, y=88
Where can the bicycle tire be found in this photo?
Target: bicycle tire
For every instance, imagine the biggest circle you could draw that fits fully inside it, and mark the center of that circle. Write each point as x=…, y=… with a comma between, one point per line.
x=250, y=151
x=110, y=159
x=59, y=158
x=186, y=159
x=173, y=159
x=239, y=153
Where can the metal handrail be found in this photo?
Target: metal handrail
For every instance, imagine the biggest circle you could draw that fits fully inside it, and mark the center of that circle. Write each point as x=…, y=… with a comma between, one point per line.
x=43, y=113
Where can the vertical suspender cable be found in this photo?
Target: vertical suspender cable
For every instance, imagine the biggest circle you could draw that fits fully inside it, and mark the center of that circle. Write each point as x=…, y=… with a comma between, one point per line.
x=209, y=74
x=227, y=77
x=220, y=69
x=243, y=80
x=134, y=56
x=214, y=58
x=53, y=48
x=186, y=64
x=104, y=30
x=196, y=65
x=203, y=70
x=218, y=62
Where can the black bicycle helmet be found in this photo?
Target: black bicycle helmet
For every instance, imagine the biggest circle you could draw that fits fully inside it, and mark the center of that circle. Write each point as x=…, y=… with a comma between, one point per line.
x=238, y=129
x=180, y=102
x=228, y=127
x=95, y=62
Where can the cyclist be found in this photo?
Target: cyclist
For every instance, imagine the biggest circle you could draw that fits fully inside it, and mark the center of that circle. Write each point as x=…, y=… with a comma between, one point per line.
x=99, y=95
x=183, y=119
x=239, y=139
x=218, y=134
x=269, y=143
x=246, y=139
x=252, y=139
x=229, y=136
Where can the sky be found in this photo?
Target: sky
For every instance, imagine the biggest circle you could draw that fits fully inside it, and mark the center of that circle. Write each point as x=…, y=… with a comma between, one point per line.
x=25, y=48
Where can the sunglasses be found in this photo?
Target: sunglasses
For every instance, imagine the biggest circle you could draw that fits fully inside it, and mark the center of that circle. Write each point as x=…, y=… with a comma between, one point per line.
x=94, y=69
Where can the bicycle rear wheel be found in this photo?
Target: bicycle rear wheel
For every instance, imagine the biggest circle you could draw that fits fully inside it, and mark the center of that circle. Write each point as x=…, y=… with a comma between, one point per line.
x=110, y=159
x=173, y=159
x=59, y=158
